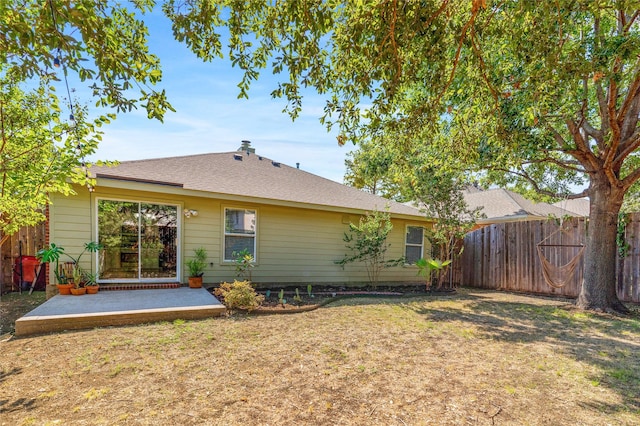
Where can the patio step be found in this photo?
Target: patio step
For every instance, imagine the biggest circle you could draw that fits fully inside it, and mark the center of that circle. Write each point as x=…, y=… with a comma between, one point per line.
x=138, y=286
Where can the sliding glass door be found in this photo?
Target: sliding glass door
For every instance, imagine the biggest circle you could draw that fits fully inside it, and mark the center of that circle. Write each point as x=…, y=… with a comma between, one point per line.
x=140, y=240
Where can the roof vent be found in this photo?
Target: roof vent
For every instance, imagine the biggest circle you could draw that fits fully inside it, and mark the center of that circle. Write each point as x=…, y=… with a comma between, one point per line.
x=237, y=157
x=275, y=164
x=297, y=165
x=260, y=157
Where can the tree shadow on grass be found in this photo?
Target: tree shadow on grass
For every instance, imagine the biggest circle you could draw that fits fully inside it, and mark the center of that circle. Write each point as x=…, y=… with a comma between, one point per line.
x=11, y=372
x=612, y=344
x=19, y=404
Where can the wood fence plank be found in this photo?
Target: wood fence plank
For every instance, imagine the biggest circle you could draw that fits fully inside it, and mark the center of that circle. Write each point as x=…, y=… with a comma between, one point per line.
x=504, y=256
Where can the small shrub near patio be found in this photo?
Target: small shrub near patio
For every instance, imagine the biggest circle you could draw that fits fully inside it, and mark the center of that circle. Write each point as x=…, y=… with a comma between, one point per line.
x=239, y=295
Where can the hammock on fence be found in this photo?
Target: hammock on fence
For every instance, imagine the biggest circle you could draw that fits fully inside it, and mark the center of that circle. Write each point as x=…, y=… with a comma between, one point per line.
x=558, y=276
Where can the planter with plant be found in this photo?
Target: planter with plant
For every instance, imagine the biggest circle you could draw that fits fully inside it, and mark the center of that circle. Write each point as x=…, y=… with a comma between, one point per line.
x=91, y=283
x=78, y=273
x=196, y=267
x=52, y=255
x=78, y=291
x=67, y=279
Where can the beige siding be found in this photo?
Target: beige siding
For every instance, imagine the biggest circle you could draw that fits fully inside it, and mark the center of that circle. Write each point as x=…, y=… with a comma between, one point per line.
x=71, y=226
x=294, y=245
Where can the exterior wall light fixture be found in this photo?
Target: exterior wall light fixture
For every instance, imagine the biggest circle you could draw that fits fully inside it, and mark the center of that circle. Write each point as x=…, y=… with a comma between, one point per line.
x=189, y=213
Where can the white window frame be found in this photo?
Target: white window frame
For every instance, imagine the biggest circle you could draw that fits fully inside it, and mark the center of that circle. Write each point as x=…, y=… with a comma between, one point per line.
x=179, y=212
x=226, y=234
x=407, y=244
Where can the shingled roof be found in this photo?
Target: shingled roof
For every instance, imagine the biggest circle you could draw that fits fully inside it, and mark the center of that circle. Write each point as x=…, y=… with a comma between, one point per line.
x=504, y=205
x=579, y=206
x=249, y=175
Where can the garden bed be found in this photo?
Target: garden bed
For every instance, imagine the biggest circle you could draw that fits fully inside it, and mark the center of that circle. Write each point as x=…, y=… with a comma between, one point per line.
x=302, y=301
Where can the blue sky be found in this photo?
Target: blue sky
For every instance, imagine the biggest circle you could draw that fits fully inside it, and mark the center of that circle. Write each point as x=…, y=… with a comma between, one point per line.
x=210, y=118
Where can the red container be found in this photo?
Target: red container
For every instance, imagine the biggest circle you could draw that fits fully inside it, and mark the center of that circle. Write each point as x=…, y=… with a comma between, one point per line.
x=24, y=271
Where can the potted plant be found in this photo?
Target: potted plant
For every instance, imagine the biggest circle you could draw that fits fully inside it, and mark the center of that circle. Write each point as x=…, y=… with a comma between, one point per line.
x=77, y=275
x=196, y=267
x=74, y=279
x=52, y=254
x=91, y=283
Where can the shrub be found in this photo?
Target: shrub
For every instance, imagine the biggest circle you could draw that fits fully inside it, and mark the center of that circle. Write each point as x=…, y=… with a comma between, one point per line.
x=239, y=295
x=368, y=243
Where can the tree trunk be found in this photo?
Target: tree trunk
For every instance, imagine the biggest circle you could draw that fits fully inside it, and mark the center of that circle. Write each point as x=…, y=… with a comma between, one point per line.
x=599, y=285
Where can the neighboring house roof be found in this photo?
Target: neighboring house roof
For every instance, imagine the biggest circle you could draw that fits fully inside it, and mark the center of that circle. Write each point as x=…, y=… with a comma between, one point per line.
x=579, y=206
x=251, y=175
x=502, y=205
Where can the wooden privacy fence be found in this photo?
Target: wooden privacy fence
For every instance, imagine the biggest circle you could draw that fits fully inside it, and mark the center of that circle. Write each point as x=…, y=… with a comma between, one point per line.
x=504, y=257
x=26, y=242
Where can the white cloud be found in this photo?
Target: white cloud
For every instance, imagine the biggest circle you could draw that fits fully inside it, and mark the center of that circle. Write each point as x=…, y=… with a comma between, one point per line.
x=210, y=118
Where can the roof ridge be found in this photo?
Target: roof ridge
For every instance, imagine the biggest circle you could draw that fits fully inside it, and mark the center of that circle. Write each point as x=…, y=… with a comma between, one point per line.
x=177, y=157
x=511, y=194
x=260, y=178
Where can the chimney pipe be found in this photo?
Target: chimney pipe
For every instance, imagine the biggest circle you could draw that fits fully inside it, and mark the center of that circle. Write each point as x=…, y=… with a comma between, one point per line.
x=245, y=146
x=297, y=165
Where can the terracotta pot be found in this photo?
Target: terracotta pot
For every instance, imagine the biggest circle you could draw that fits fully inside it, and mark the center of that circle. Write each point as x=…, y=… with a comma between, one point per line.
x=195, y=282
x=78, y=291
x=64, y=289
x=92, y=289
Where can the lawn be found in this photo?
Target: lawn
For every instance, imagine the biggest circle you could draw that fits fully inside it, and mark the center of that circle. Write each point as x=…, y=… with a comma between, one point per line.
x=476, y=358
x=15, y=305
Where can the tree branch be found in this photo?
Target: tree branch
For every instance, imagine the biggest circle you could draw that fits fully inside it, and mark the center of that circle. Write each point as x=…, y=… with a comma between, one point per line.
x=582, y=152
x=4, y=238
x=632, y=19
x=483, y=70
x=476, y=4
x=562, y=143
x=596, y=134
x=602, y=106
x=628, y=113
x=536, y=187
x=609, y=152
x=628, y=147
x=630, y=179
x=563, y=164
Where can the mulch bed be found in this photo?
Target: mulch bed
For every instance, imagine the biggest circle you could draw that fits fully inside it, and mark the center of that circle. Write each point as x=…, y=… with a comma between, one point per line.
x=321, y=296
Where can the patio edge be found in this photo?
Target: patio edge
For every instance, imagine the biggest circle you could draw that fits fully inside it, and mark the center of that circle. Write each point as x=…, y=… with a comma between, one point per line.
x=32, y=325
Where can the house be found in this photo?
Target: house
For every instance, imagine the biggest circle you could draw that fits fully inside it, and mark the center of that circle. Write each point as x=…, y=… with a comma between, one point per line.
x=578, y=206
x=501, y=205
x=150, y=216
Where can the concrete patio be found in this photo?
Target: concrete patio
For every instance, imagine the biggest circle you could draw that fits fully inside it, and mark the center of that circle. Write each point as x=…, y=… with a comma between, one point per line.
x=109, y=308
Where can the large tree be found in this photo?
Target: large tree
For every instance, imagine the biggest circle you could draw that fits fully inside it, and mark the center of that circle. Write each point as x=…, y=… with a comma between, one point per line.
x=45, y=138
x=545, y=94
x=40, y=153
x=103, y=43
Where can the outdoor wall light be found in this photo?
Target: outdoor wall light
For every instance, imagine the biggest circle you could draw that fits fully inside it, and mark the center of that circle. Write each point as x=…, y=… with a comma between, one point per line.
x=189, y=213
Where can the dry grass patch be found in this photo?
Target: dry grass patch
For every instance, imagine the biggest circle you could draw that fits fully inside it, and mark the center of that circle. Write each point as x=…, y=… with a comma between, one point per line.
x=15, y=305
x=476, y=358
